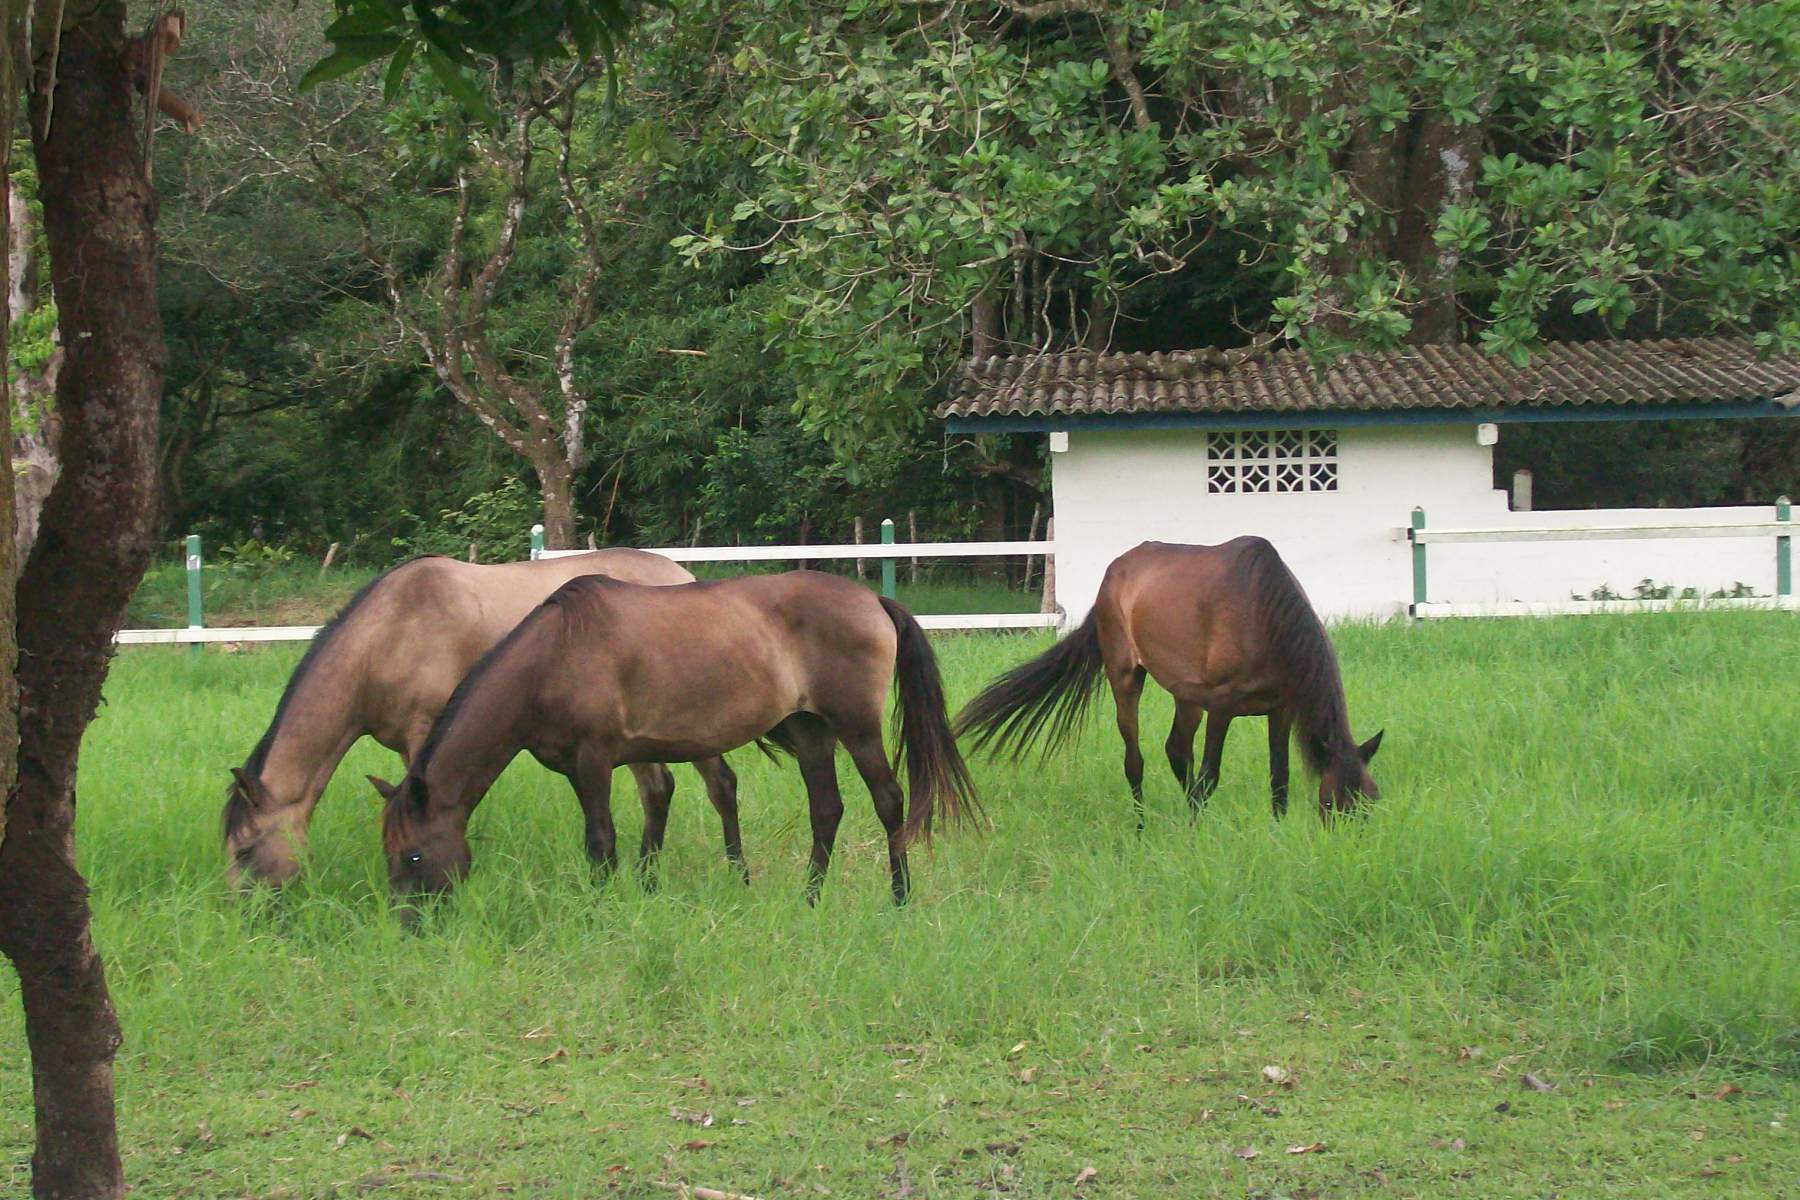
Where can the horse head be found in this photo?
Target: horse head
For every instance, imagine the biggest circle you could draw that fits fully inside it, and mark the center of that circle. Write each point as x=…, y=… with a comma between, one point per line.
x=1347, y=780
x=263, y=837
x=427, y=853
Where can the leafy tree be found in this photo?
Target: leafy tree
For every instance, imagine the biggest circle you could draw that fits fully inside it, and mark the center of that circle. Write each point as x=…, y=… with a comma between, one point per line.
x=941, y=177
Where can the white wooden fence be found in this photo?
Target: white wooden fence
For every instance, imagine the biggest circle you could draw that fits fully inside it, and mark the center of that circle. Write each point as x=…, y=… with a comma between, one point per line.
x=888, y=553
x=1780, y=529
x=887, y=550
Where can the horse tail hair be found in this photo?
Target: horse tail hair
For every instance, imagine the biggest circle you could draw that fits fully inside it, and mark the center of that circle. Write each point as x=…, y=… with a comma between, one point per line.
x=936, y=776
x=1051, y=692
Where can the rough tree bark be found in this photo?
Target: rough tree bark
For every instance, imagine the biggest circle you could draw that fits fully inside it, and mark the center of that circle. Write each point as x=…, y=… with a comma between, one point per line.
x=97, y=533
x=35, y=427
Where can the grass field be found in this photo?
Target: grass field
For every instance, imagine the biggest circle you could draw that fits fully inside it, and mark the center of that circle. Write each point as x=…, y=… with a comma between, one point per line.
x=1585, y=870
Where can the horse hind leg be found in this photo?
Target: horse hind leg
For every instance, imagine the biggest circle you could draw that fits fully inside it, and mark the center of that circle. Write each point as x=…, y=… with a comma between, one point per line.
x=656, y=788
x=1127, y=690
x=814, y=747
x=871, y=760
x=721, y=789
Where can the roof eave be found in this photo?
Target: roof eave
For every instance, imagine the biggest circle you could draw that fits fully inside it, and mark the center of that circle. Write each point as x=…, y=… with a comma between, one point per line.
x=1785, y=406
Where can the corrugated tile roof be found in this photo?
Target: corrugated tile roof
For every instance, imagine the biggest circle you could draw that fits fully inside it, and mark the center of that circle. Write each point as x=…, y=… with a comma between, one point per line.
x=1688, y=371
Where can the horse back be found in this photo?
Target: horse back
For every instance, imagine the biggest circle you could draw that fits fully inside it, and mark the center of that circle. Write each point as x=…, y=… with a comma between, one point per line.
x=1184, y=614
x=669, y=664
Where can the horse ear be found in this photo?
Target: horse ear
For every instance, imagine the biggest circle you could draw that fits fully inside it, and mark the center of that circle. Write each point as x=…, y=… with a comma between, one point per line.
x=386, y=789
x=1368, y=748
x=248, y=784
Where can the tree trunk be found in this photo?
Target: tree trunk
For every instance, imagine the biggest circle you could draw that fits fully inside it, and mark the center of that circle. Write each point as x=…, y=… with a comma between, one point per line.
x=33, y=416
x=97, y=534
x=557, y=482
x=1440, y=175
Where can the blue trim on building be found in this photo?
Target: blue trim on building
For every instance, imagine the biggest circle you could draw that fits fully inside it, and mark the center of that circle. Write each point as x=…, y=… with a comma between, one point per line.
x=1332, y=419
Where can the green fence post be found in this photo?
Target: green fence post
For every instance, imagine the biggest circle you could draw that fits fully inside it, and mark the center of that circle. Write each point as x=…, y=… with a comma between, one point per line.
x=1418, y=555
x=887, y=564
x=537, y=542
x=1784, y=552
x=195, y=619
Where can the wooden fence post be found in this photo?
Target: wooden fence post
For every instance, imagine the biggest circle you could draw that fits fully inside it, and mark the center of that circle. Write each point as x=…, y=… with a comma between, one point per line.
x=1784, y=552
x=1418, y=559
x=887, y=564
x=195, y=618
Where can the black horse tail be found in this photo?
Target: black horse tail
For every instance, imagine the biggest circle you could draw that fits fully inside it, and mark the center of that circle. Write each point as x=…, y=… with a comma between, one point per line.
x=936, y=776
x=1054, y=690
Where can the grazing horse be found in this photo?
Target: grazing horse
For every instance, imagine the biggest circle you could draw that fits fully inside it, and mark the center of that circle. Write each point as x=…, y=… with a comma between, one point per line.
x=384, y=666
x=1229, y=632
x=605, y=673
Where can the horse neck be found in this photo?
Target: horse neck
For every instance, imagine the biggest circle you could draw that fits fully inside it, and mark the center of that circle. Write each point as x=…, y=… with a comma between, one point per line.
x=315, y=729
x=1324, y=720
x=483, y=735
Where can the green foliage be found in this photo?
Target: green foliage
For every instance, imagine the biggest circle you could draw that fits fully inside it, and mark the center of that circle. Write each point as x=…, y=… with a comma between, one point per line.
x=457, y=38
x=252, y=557
x=1586, y=169
x=498, y=522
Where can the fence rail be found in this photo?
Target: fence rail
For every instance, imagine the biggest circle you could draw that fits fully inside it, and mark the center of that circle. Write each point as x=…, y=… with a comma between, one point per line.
x=197, y=634
x=1422, y=535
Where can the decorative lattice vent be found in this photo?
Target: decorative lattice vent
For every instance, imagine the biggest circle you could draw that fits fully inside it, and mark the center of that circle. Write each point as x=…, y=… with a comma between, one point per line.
x=1272, y=460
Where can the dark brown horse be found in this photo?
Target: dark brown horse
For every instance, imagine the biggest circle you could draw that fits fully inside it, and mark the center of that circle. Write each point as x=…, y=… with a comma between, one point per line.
x=605, y=673
x=384, y=666
x=1229, y=632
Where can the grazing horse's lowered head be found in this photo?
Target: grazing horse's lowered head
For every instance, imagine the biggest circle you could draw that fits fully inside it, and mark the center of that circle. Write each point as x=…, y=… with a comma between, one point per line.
x=424, y=859
x=263, y=838
x=1346, y=779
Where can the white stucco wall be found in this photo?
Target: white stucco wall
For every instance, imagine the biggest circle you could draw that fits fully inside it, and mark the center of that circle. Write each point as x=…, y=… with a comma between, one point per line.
x=1112, y=490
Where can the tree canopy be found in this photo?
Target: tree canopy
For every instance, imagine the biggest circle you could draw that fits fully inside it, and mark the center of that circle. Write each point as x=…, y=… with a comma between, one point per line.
x=810, y=213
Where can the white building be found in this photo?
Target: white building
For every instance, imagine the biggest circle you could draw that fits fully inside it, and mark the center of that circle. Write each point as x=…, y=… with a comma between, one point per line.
x=1330, y=464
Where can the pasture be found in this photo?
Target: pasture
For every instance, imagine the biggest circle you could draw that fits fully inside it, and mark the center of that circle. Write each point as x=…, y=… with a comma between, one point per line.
x=1561, y=956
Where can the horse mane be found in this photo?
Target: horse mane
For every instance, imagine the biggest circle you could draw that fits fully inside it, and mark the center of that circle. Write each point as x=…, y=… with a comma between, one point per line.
x=238, y=805
x=1312, y=689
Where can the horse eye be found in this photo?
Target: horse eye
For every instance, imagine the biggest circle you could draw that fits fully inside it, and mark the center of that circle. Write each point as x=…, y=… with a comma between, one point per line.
x=415, y=858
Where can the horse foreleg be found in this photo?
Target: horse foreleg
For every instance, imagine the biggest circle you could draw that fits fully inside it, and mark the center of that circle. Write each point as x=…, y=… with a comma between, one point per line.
x=871, y=760
x=1127, y=689
x=1180, y=746
x=1280, y=726
x=1218, y=724
x=721, y=789
x=656, y=787
x=593, y=786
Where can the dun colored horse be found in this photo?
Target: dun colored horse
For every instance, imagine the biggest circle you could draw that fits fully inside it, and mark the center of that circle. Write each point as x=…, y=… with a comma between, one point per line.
x=384, y=666
x=1229, y=632
x=606, y=673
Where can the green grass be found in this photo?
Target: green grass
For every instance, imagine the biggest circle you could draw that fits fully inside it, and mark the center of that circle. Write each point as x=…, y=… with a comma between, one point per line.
x=291, y=594
x=1586, y=867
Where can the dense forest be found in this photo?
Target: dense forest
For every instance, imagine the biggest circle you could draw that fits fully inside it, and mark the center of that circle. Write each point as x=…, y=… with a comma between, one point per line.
x=710, y=290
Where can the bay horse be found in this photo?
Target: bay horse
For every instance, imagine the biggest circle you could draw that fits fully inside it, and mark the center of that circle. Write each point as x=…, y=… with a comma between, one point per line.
x=384, y=667
x=1229, y=632
x=606, y=673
